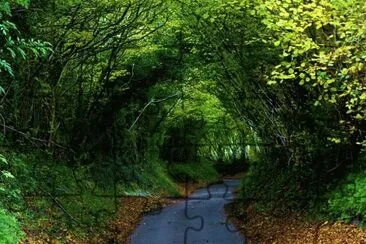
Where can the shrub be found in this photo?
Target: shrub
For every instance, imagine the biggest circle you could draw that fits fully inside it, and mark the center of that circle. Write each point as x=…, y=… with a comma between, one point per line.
x=273, y=185
x=10, y=230
x=348, y=200
x=153, y=178
x=10, y=194
x=199, y=171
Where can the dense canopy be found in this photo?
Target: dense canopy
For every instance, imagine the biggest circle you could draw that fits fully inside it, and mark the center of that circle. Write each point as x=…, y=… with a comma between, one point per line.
x=102, y=99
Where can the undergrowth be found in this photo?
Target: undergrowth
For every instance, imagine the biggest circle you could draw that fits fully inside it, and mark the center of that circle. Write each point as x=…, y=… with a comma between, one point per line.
x=56, y=199
x=275, y=187
x=195, y=171
x=10, y=229
x=348, y=201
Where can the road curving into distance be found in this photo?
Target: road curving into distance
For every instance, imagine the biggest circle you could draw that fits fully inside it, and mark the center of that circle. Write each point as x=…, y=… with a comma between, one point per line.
x=198, y=219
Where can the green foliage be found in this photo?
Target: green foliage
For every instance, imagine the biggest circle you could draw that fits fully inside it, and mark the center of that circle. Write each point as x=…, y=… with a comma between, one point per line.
x=10, y=230
x=72, y=199
x=199, y=125
x=10, y=192
x=10, y=198
x=323, y=52
x=208, y=85
x=13, y=46
x=274, y=187
x=278, y=67
x=155, y=179
x=348, y=200
x=195, y=171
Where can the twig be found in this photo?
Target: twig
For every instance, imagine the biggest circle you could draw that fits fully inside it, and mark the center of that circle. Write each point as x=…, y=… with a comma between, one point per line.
x=2, y=117
x=59, y=205
x=143, y=110
x=34, y=138
x=147, y=105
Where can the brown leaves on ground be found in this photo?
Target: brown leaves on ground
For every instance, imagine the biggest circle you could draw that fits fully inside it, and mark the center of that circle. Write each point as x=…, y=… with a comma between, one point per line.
x=292, y=228
x=130, y=214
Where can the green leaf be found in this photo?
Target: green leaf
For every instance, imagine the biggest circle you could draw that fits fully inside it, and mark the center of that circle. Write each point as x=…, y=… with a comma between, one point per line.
x=4, y=65
x=7, y=174
x=3, y=160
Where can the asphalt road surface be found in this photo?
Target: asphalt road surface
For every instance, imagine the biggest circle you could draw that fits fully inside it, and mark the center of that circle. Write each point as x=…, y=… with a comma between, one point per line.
x=199, y=219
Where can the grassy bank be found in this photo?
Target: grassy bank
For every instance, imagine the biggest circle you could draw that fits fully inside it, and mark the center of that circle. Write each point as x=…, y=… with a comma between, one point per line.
x=194, y=172
x=55, y=202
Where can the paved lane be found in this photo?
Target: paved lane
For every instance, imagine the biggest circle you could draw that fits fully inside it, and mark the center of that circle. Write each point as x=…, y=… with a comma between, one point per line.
x=200, y=219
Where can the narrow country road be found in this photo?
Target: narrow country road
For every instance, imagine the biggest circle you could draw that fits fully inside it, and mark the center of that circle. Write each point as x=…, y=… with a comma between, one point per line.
x=200, y=219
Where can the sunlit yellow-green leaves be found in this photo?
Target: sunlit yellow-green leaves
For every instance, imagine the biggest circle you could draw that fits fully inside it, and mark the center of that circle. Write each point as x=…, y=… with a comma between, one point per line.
x=322, y=45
